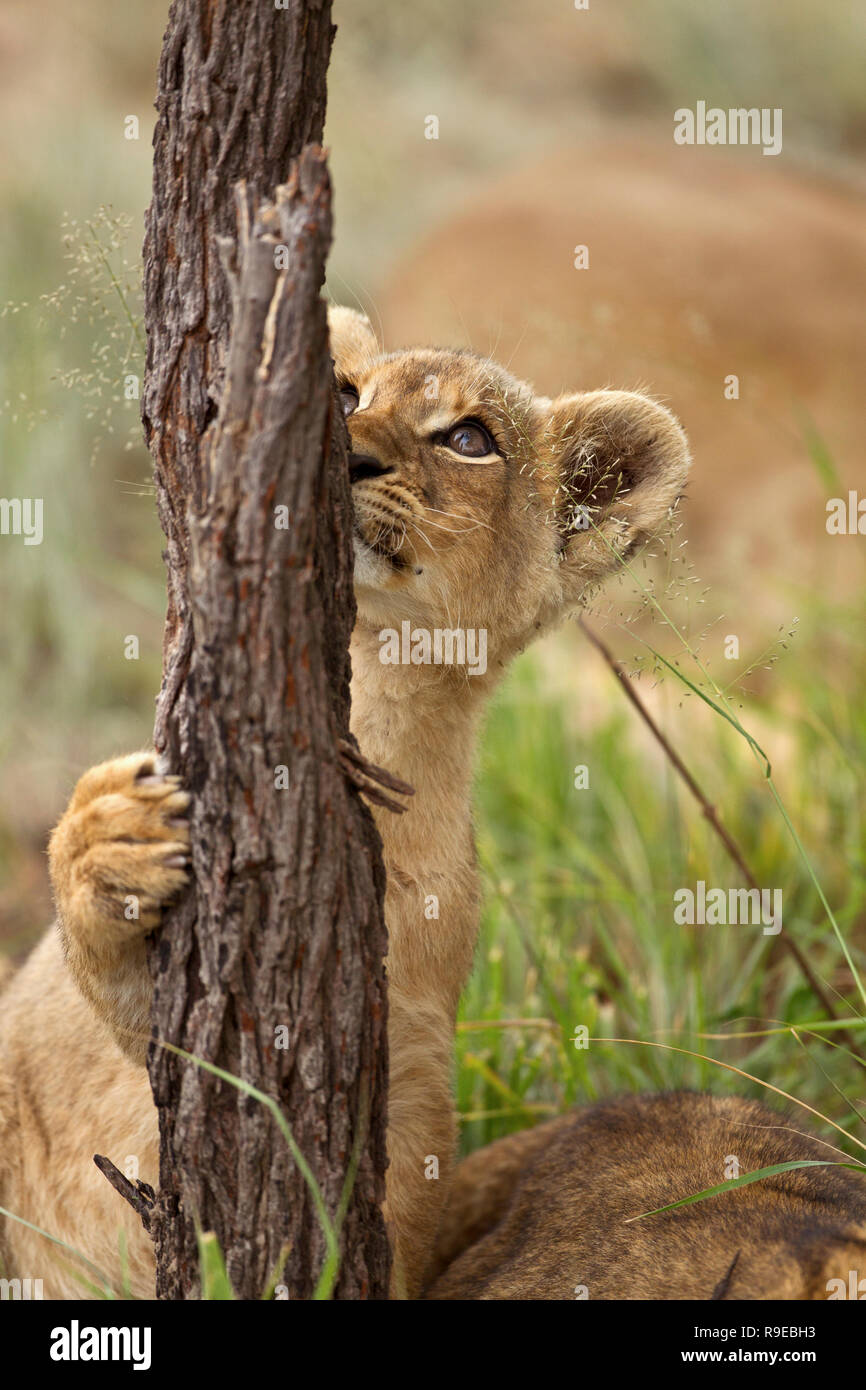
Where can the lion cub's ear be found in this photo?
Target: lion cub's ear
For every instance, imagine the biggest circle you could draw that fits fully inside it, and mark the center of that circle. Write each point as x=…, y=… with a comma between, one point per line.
x=353, y=343
x=620, y=462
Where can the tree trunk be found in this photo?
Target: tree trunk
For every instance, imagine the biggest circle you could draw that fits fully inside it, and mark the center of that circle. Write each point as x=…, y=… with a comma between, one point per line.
x=271, y=968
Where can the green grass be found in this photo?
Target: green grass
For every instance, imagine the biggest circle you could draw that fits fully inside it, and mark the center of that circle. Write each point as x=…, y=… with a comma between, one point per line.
x=578, y=920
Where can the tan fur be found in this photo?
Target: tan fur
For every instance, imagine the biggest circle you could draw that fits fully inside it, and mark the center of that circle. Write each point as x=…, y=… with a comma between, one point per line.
x=506, y=544
x=545, y=1213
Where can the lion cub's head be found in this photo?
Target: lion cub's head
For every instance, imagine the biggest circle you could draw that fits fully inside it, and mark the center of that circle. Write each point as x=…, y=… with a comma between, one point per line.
x=479, y=504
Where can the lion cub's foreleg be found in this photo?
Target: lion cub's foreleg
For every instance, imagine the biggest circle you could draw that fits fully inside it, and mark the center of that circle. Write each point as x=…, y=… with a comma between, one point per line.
x=119, y=853
x=422, y=1134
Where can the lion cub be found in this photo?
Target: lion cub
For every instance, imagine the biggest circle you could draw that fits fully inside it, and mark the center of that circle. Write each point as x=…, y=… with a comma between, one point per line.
x=548, y=1213
x=482, y=514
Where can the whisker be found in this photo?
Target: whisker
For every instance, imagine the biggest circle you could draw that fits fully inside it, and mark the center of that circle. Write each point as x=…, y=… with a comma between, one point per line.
x=452, y=530
x=455, y=516
x=362, y=295
x=517, y=346
x=423, y=537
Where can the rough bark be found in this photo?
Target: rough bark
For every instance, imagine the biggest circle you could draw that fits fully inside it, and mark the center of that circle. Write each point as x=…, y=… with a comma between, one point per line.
x=282, y=937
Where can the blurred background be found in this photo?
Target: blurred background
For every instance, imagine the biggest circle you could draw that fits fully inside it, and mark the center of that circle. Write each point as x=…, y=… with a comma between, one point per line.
x=555, y=131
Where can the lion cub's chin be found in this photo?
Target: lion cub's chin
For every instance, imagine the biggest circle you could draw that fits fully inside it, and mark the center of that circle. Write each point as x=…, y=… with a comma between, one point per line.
x=384, y=610
x=383, y=594
x=372, y=571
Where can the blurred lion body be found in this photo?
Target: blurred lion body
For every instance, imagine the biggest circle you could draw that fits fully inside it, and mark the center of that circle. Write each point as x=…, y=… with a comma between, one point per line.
x=702, y=267
x=547, y=1213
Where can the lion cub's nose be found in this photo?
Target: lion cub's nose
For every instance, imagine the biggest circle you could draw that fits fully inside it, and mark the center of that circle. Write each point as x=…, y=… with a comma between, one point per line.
x=365, y=466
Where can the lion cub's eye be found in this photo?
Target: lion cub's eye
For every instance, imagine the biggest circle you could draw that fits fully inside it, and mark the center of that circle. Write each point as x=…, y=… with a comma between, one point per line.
x=470, y=439
x=349, y=399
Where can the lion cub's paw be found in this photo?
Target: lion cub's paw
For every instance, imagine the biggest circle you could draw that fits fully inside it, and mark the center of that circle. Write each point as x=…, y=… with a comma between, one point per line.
x=121, y=850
